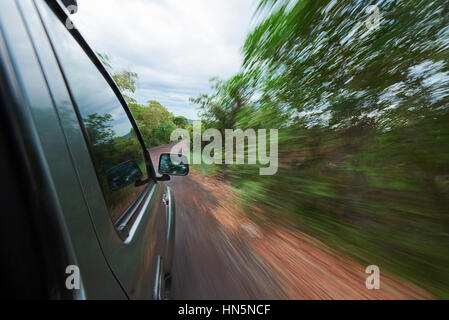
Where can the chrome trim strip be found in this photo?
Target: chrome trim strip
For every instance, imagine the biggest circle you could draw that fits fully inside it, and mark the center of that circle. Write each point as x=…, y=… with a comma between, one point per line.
x=124, y=219
x=136, y=223
x=158, y=290
x=169, y=213
x=170, y=231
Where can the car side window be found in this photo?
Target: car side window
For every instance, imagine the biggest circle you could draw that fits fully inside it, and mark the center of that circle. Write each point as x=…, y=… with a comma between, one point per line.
x=115, y=150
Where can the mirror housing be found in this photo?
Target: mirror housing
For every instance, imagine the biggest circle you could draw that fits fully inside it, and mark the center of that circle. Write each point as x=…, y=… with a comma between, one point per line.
x=123, y=175
x=173, y=165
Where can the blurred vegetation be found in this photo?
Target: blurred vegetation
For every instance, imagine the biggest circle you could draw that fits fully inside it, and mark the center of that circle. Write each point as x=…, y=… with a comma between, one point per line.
x=363, y=128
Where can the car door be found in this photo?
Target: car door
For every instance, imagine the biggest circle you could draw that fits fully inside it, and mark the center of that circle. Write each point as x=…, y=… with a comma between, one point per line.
x=63, y=233
x=130, y=222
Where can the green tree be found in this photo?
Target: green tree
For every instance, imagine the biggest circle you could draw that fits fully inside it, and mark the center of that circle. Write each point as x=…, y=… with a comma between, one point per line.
x=154, y=120
x=363, y=134
x=220, y=109
x=181, y=122
x=99, y=128
x=125, y=80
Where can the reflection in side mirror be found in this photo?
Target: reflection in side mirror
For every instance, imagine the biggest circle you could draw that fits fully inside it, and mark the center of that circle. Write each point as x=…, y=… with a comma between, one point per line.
x=123, y=175
x=173, y=165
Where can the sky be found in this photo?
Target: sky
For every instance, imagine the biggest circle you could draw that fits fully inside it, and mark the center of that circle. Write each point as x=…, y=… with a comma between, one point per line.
x=175, y=46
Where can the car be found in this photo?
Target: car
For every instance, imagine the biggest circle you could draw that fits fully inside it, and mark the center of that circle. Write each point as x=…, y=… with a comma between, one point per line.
x=85, y=215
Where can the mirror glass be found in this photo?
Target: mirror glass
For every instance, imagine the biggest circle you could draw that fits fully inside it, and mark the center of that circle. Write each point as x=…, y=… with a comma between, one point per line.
x=123, y=175
x=173, y=165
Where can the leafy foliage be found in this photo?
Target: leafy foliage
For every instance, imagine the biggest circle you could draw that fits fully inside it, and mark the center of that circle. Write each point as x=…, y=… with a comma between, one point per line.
x=125, y=80
x=155, y=122
x=362, y=117
x=181, y=122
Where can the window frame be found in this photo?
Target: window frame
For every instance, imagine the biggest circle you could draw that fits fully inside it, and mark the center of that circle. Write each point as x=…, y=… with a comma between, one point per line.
x=61, y=15
x=129, y=214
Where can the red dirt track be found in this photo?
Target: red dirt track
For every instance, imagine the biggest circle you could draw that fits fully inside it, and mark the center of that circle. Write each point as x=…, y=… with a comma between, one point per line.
x=221, y=254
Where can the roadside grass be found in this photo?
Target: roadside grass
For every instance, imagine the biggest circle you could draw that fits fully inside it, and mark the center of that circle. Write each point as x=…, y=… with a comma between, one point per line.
x=387, y=219
x=203, y=169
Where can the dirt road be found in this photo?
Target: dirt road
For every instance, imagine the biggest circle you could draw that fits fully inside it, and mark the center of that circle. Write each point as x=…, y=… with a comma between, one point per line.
x=221, y=254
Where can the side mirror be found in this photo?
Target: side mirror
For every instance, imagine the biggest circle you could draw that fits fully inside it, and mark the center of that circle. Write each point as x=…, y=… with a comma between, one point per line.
x=173, y=165
x=123, y=175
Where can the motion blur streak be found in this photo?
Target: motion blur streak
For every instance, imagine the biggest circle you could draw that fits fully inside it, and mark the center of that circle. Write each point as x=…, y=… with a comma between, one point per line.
x=363, y=172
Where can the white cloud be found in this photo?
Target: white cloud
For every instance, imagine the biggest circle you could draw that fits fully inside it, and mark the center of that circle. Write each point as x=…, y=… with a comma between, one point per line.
x=175, y=46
